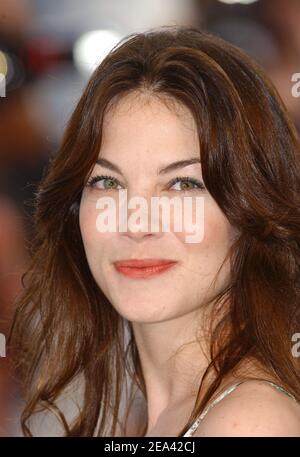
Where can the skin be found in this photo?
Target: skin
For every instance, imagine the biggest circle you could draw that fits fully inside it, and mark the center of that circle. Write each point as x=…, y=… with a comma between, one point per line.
x=141, y=133
x=253, y=409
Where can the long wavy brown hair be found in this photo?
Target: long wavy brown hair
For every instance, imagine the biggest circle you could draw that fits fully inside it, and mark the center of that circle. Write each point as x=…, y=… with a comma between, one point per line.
x=64, y=327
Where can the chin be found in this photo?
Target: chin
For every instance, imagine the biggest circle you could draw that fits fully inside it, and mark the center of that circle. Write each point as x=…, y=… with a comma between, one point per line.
x=139, y=312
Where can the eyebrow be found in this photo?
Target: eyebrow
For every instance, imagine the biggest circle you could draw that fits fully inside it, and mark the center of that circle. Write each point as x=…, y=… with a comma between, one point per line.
x=172, y=166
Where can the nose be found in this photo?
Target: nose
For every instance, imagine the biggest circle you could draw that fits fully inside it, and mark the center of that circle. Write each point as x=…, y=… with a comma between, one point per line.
x=137, y=220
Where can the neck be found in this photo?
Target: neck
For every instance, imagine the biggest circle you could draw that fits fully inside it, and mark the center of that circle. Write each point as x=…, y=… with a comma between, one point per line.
x=173, y=356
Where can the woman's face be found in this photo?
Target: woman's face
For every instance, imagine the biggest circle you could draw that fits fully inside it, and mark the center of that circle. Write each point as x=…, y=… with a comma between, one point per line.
x=141, y=135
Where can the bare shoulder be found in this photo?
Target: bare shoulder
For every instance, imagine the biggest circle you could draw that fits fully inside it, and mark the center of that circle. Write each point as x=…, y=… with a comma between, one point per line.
x=254, y=408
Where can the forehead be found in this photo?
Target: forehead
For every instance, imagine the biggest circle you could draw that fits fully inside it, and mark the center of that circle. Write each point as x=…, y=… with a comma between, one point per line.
x=135, y=101
x=146, y=121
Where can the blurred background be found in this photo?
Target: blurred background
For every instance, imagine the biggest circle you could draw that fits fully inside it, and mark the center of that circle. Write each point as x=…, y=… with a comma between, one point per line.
x=48, y=50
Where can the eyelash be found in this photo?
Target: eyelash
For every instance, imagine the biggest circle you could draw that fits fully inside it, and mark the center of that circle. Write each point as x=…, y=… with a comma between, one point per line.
x=173, y=181
x=194, y=181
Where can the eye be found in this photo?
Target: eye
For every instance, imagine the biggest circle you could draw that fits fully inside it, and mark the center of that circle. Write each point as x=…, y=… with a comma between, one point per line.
x=104, y=182
x=188, y=183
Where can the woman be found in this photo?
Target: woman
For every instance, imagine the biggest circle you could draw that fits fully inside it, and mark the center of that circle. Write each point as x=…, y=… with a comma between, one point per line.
x=160, y=329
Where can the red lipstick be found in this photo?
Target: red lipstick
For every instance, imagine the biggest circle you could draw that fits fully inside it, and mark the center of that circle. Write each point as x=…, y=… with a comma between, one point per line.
x=143, y=268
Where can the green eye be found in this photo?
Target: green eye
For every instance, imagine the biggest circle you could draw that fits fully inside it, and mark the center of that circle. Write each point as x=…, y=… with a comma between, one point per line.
x=187, y=183
x=107, y=182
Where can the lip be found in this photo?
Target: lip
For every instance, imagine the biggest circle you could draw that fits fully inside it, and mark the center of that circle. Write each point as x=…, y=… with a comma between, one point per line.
x=143, y=268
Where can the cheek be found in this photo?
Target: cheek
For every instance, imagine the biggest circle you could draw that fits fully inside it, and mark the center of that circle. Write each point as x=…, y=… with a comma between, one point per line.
x=207, y=255
x=87, y=224
x=94, y=242
x=217, y=232
x=97, y=244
